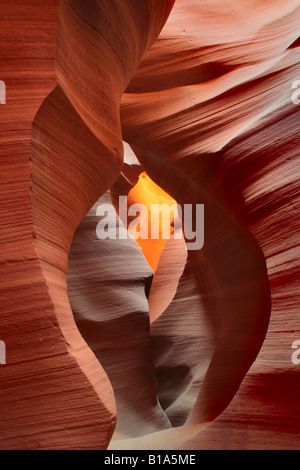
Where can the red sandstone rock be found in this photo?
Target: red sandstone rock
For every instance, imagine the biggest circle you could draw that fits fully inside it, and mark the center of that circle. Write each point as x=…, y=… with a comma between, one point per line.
x=207, y=110
x=54, y=393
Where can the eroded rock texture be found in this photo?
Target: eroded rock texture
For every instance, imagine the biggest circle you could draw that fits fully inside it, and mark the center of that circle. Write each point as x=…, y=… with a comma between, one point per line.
x=144, y=344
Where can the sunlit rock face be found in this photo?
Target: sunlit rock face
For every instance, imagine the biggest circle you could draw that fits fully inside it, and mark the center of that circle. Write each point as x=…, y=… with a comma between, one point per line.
x=127, y=343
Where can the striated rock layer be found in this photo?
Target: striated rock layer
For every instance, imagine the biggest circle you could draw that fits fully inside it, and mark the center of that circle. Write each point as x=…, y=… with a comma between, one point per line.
x=76, y=153
x=185, y=129
x=111, y=311
x=200, y=356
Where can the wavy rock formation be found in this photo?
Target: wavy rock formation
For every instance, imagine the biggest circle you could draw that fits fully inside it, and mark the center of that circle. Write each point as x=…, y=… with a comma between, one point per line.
x=111, y=311
x=183, y=130
x=200, y=356
x=264, y=414
x=76, y=153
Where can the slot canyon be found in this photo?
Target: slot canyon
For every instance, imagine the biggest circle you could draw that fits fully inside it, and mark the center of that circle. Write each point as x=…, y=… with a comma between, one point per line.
x=122, y=342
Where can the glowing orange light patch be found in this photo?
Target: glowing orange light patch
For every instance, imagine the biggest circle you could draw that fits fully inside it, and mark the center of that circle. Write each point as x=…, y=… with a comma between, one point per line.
x=159, y=217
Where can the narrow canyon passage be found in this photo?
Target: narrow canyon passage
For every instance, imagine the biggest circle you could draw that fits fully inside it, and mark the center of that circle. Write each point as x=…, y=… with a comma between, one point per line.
x=124, y=343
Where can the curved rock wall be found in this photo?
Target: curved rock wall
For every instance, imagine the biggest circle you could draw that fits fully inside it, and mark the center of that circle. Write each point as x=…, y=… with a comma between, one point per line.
x=200, y=356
